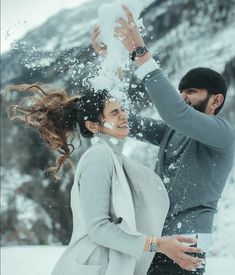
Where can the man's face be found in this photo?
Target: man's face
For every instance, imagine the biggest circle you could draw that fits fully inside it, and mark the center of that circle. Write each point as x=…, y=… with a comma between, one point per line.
x=197, y=98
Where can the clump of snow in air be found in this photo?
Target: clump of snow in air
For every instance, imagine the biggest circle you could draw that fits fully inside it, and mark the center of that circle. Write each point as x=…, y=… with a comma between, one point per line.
x=111, y=74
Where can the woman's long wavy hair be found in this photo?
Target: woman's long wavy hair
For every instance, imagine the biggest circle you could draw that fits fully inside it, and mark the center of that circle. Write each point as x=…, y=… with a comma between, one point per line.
x=55, y=115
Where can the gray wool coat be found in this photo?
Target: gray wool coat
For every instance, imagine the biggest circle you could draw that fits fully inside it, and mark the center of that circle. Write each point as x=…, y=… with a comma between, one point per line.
x=115, y=204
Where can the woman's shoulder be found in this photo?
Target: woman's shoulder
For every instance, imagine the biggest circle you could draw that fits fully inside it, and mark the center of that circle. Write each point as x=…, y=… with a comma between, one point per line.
x=99, y=155
x=98, y=150
x=95, y=164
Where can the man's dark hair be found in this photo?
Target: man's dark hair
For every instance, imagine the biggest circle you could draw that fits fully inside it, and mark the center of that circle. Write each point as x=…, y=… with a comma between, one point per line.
x=205, y=78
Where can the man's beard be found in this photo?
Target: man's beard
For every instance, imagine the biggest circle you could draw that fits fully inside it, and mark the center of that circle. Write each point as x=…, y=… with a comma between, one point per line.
x=201, y=106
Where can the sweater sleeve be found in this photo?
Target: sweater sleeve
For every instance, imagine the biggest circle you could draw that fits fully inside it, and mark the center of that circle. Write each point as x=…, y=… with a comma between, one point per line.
x=147, y=129
x=210, y=130
x=95, y=190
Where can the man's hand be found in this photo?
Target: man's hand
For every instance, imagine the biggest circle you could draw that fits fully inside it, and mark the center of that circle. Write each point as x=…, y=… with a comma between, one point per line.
x=128, y=33
x=99, y=48
x=130, y=36
x=172, y=247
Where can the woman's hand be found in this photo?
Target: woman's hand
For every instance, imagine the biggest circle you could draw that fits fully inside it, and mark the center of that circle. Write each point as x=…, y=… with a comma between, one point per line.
x=173, y=247
x=99, y=48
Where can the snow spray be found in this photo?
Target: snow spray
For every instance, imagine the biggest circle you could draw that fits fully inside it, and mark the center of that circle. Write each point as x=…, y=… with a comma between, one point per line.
x=117, y=58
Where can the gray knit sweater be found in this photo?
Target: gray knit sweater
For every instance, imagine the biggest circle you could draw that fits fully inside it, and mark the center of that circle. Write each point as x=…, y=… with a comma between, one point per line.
x=200, y=146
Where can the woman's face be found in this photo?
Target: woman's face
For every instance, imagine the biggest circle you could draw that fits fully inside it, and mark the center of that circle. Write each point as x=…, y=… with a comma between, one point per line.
x=114, y=120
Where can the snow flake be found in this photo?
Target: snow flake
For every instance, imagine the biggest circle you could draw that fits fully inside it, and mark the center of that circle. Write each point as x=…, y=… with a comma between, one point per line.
x=114, y=141
x=179, y=225
x=140, y=134
x=166, y=180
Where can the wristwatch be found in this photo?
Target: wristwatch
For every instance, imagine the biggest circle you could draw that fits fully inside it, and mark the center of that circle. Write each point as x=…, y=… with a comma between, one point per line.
x=139, y=51
x=154, y=246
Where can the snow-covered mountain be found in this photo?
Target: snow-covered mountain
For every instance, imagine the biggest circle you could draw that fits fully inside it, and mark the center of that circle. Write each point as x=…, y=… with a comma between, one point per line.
x=183, y=33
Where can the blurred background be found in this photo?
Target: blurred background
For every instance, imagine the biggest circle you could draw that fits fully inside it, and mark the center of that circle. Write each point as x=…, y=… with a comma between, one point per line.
x=50, y=42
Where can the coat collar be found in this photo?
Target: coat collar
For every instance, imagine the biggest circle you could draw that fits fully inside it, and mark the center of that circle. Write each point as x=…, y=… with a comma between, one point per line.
x=116, y=144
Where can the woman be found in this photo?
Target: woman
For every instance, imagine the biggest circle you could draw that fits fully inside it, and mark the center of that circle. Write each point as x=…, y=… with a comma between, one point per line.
x=118, y=206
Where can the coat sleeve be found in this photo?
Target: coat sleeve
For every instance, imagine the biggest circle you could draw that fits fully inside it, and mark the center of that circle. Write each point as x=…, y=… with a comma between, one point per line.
x=210, y=130
x=147, y=129
x=95, y=192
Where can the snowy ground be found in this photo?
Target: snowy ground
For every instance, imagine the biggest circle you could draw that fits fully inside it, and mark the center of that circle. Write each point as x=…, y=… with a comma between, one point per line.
x=39, y=260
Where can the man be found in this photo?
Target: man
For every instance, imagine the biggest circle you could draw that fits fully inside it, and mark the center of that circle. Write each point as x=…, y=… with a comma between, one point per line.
x=196, y=145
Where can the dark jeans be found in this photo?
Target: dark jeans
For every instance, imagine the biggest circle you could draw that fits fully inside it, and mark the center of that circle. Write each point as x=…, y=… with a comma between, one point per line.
x=162, y=265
